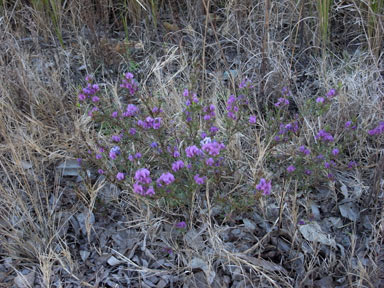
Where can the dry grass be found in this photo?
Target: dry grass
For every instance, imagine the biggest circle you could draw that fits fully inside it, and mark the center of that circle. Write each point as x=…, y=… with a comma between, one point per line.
x=47, y=47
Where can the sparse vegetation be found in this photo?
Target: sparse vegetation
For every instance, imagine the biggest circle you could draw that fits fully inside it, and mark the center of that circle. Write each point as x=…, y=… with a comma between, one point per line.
x=191, y=143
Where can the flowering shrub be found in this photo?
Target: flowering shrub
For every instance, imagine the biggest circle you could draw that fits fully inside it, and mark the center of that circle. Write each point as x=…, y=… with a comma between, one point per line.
x=142, y=151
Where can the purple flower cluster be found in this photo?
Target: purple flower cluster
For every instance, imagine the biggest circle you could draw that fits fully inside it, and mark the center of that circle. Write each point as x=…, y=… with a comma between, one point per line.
x=181, y=225
x=330, y=94
x=282, y=102
x=131, y=110
x=252, y=119
x=130, y=83
x=325, y=136
x=120, y=176
x=133, y=157
x=264, y=186
x=213, y=148
x=94, y=109
x=143, y=180
x=291, y=168
x=379, y=129
x=116, y=138
x=191, y=98
x=89, y=91
x=246, y=83
x=165, y=179
x=176, y=166
x=231, y=107
x=209, y=112
x=199, y=180
x=150, y=122
x=286, y=92
x=304, y=150
x=192, y=151
x=114, y=152
x=290, y=127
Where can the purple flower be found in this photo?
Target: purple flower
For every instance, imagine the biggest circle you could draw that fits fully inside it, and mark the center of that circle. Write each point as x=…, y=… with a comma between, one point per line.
x=156, y=123
x=176, y=154
x=195, y=99
x=142, y=176
x=79, y=160
x=129, y=83
x=308, y=172
x=185, y=93
x=331, y=93
x=131, y=158
x=213, y=130
x=325, y=136
x=282, y=102
x=150, y=191
x=128, y=75
x=94, y=109
x=252, y=119
x=114, y=114
x=169, y=251
x=165, y=178
x=138, y=155
x=99, y=156
x=120, y=176
x=176, y=166
x=327, y=165
x=191, y=151
x=285, y=91
x=264, y=186
x=231, y=107
x=207, y=117
x=304, y=150
x=351, y=164
x=181, y=225
x=114, y=152
x=335, y=151
x=131, y=110
x=139, y=189
x=213, y=148
x=209, y=161
x=142, y=124
x=132, y=131
x=199, y=180
x=377, y=130
x=116, y=138
x=231, y=100
x=320, y=100
x=95, y=99
x=154, y=144
x=291, y=168
x=320, y=156
x=100, y=171
x=348, y=124
x=246, y=83
x=82, y=97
